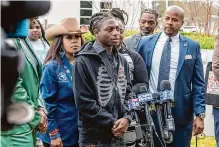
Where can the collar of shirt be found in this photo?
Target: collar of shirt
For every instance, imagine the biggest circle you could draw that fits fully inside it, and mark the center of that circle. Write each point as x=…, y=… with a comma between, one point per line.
x=97, y=47
x=174, y=38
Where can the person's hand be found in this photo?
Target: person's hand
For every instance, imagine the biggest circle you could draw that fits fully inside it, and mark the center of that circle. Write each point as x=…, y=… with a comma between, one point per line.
x=120, y=127
x=56, y=142
x=43, y=125
x=198, y=126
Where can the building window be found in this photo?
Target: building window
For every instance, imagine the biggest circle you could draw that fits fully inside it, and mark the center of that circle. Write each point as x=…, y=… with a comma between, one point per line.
x=105, y=6
x=84, y=21
x=86, y=4
x=85, y=12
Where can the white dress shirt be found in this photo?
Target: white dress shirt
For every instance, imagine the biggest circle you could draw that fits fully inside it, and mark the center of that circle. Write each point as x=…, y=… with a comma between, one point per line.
x=153, y=81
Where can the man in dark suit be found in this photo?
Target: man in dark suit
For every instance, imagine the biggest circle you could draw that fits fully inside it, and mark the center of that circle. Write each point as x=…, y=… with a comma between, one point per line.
x=174, y=57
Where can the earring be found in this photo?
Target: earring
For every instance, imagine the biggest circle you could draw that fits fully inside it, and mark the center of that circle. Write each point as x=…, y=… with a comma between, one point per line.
x=62, y=50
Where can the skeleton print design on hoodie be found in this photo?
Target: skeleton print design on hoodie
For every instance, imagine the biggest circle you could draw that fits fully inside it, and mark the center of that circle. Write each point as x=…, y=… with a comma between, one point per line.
x=106, y=85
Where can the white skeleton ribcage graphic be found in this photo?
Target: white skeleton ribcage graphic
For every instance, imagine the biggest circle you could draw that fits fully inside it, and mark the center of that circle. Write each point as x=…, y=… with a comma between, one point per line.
x=122, y=83
x=105, y=86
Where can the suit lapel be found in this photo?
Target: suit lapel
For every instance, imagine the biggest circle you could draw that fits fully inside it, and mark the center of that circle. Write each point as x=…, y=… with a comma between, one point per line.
x=183, y=50
x=151, y=46
x=137, y=40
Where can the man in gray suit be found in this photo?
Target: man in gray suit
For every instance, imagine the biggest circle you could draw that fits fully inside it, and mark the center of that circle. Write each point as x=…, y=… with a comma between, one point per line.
x=147, y=24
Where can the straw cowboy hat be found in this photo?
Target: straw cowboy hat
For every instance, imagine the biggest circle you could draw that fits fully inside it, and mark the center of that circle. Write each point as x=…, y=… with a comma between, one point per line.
x=67, y=26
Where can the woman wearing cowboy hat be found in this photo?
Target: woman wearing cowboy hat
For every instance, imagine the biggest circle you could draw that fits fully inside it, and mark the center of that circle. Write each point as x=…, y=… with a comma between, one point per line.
x=56, y=84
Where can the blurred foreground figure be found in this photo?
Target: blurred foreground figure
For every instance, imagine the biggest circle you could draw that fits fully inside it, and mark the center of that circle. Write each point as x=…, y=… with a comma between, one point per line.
x=25, y=106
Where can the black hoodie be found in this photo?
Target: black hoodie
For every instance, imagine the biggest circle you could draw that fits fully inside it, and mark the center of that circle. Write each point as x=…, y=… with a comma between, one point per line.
x=100, y=97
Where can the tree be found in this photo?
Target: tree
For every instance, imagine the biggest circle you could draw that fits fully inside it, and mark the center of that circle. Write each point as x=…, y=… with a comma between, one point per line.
x=203, y=14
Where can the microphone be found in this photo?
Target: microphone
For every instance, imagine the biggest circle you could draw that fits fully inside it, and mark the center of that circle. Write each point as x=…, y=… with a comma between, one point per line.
x=133, y=102
x=134, y=106
x=146, y=101
x=166, y=94
x=166, y=101
x=142, y=93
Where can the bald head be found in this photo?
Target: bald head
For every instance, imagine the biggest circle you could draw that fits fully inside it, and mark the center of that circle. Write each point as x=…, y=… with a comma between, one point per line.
x=173, y=20
x=177, y=10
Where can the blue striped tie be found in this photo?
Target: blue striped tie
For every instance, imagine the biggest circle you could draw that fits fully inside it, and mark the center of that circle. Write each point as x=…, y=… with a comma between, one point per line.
x=164, y=70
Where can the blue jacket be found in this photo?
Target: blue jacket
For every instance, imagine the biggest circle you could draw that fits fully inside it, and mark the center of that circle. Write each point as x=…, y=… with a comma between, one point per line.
x=189, y=85
x=56, y=90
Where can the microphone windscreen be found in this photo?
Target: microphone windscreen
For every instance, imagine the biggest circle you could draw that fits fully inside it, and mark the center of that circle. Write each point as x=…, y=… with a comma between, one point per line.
x=165, y=85
x=139, y=88
x=19, y=10
x=155, y=95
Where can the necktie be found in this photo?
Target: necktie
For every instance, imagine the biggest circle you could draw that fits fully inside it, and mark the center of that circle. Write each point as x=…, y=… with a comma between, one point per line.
x=164, y=70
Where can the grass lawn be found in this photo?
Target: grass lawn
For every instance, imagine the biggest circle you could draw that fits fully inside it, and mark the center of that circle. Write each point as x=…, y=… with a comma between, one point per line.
x=206, y=142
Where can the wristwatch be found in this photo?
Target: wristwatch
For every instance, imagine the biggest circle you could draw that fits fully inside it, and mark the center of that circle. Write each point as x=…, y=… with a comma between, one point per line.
x=201, y=115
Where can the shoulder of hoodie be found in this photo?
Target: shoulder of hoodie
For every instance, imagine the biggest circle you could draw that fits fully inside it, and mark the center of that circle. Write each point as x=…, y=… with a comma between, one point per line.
x=123, y=59
x=79, y=56
x=133, y=54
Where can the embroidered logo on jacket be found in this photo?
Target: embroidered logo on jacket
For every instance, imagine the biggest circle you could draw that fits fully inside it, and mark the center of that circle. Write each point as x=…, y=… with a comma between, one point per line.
x=105, y=85
x=62, y=77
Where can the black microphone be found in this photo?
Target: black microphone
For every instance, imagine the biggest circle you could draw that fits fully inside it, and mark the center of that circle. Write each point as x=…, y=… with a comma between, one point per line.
x=166, y=101
x=133, y=102
x=142, y=93
x=134, y=106
x=146, y=101
x=165, y=91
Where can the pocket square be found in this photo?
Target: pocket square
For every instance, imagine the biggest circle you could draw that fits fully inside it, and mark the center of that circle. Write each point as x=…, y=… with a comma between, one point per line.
x=188, y=57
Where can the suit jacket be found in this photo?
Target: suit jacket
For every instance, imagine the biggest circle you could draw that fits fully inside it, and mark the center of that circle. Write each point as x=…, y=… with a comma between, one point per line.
x=215, y=59
x=132, y=42
x=189, y=85
x=27, y=86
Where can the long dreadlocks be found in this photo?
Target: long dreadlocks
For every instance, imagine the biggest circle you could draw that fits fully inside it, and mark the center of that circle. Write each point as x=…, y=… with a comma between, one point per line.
x=119, y=14
x=97, y=19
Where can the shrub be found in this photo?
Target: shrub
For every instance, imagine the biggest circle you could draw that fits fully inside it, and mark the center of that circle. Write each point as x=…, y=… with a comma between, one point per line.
x=206, y=42
x=206, y=142
x=88, y=37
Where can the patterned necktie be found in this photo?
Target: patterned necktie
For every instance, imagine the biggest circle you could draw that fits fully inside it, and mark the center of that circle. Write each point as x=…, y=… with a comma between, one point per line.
x=164, y=70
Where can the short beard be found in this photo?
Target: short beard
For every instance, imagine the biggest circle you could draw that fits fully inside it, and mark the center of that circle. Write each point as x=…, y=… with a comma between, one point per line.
x=145, y=34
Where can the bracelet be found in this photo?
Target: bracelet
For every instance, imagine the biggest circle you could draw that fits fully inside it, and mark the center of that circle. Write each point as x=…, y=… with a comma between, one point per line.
x=53, y=132
x=55, y=136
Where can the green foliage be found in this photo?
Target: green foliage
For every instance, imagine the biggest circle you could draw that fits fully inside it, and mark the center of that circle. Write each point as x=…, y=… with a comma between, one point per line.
x=88, y=37
x=206, y=42
x=205, y=142
x=129, y=33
